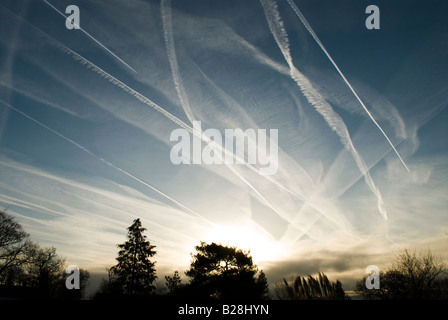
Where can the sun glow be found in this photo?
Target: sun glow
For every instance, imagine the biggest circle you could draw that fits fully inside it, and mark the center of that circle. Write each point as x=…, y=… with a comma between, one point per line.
x=248, y=237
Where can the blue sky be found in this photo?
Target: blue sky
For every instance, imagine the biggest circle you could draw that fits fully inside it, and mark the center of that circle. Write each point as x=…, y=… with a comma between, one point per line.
x=85, y=141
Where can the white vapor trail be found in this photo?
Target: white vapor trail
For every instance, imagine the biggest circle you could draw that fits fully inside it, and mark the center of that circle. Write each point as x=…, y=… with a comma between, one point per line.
x=165, y=9
x=91, y=37
x=315, y=98
x=159, y=109
x=66, y=208
x=103, y=160
x=156, y=107
x=309, y=181
x=90, y=65
x=316, y=38
x=165, y=6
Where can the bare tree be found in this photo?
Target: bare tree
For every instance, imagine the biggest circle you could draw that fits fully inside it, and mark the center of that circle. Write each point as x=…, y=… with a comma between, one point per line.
x=44, y=270
x=14, y=243
x=63, y=293
x=411, y=275
x=24, y=263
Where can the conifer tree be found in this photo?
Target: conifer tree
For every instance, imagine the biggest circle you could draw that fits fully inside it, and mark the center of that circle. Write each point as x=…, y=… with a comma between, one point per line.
x=173, y=283
x=135, y=272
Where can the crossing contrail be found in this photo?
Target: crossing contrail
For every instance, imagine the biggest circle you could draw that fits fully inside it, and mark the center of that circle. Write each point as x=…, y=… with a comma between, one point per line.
x=91, y=37
x=165, y=10
x=333, y=120
x=90, y=65
x=316, y=38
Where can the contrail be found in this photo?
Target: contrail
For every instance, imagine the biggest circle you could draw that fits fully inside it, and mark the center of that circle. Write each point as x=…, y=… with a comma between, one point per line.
x=316, y=38
x=91, y=37
x=90, y=65
x=153, y=105
x=165, y=9
x=315, y=98
x=148, y=102
x=31, y=205
x=76, y=144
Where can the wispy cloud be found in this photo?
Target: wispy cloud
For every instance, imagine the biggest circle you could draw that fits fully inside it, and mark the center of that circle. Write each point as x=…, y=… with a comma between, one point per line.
x=139, y=97
x=103, y=160
x=7, y=67
x=171, y=53
x=79, y=205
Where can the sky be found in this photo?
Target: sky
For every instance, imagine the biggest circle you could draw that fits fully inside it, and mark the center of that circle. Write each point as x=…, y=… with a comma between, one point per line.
x=86, y=116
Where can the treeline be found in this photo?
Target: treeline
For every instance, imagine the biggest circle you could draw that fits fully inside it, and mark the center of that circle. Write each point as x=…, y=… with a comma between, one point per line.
x=216, y=272
x=411, y=276
x=29, y=270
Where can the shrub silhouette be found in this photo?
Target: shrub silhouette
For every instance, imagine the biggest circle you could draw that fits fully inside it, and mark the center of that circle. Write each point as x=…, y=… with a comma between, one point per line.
x=309, y=288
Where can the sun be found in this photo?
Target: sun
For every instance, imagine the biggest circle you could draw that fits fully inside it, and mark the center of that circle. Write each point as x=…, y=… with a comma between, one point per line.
x=248, y=237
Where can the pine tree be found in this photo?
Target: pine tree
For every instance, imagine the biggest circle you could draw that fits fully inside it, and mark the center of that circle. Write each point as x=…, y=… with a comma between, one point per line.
x=262, y=284
x=173, y=283
x=224, y=272
x=135, y=272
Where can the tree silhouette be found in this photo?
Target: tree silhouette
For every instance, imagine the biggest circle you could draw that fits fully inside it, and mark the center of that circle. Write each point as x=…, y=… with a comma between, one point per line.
x=310, y=288
x=135, y=272
x=30, y=270
x=262, y=285
x=14, y=243
x=173, y=283
x=223, y=272
x=74, y=294
x=24, y=263
x=411, y=276
x=45, y=270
